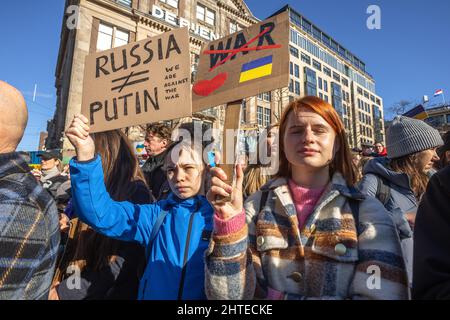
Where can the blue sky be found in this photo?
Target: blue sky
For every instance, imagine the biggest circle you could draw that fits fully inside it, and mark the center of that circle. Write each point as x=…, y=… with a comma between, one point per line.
x=409, y=57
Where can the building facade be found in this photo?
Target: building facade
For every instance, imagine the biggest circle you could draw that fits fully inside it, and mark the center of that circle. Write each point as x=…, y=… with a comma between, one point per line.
x=319, y=65
x=439, y=117
x=104, y=24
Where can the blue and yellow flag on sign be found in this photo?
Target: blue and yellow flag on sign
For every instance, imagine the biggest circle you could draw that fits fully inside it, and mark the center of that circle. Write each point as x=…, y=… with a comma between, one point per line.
x=256, y=69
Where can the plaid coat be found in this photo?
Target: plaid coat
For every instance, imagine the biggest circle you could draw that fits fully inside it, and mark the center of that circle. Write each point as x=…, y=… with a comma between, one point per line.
x=268, y=257
x=29, y=232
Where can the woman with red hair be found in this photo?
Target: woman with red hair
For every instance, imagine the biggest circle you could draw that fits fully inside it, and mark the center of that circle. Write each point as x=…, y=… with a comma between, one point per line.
x=308, y=233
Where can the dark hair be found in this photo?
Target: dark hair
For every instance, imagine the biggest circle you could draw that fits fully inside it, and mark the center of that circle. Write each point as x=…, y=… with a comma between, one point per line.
x=442, y=163
x=121, y=169
x=161, y=130
x=342, y=161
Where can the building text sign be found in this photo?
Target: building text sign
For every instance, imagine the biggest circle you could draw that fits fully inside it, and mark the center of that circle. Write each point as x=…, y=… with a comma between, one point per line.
x=139, y=83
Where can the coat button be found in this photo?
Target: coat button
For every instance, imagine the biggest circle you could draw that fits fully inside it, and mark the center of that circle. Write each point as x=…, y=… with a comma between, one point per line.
x=296, y=276
x=260, y=241
x=312, y=228
x=340, y=249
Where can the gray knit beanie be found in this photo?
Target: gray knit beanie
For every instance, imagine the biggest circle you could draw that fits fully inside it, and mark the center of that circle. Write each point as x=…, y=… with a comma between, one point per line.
x=406, y=136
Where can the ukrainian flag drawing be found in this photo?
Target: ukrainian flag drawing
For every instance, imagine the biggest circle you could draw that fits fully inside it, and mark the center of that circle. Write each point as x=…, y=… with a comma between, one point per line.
x=256, y=69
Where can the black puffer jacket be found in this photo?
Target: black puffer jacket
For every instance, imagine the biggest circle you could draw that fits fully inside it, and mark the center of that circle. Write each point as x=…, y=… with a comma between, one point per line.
x=155, y=175
x=431, y=278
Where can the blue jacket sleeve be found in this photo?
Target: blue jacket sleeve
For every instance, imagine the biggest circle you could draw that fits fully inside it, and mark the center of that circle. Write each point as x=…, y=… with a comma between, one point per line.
x=120, y=220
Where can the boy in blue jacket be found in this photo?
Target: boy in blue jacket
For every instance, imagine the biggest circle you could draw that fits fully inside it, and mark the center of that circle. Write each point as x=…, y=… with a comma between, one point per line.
x=174, y=231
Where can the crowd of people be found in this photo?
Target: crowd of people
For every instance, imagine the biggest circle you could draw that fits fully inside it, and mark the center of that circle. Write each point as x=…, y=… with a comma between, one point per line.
x=330, y=223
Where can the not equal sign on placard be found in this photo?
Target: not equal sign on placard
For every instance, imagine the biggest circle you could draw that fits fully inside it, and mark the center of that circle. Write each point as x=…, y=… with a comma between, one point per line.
x=129, y=80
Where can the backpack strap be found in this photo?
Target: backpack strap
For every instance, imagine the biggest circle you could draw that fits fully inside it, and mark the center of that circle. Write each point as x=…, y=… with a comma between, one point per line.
x=383, y=190
x=263, y=200
x=155, y=230
x=354, y=207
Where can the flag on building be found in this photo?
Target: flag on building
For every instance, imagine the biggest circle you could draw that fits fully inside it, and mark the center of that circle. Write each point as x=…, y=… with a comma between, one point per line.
x=438, y=92
x=417, y=113
x=256, y=69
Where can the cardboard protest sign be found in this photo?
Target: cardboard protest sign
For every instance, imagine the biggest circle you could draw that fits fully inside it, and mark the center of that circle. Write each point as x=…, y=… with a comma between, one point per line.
x=243, y=64
x=142, y=82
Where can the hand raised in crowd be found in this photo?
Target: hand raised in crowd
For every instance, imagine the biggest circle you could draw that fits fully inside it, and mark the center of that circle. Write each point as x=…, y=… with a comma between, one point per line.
x=78, y=134
x=226, y=210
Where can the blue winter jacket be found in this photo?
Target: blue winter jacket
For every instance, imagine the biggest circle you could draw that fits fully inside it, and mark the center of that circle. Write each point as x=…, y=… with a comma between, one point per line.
x=188, y=220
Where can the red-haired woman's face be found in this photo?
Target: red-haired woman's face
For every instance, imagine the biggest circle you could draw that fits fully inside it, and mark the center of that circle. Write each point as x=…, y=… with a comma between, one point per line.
x=309, y=141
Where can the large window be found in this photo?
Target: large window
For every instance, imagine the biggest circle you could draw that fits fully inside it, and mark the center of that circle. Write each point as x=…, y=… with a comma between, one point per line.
x=317, y=65
x=234, y=27
x=336, y=98
x=267, y=117
x=260, y=115
x=436, y=121
x=297, y=70
x=327, y=71
x=263, y=116
x=306, y=25
x=359, y=90
x=336, y=77
x=345, y=82
x=124, y=2
x=316, y=33
x=111, y=37
x=266, y=96
x=294, y=51
x=205, y=14
x=306, y=59
x=311, y=82
x=172, y=3
x=297, y=87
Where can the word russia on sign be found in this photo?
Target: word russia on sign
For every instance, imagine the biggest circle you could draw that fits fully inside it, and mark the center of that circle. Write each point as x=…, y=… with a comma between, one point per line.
x=243, y=64
x=139, y=83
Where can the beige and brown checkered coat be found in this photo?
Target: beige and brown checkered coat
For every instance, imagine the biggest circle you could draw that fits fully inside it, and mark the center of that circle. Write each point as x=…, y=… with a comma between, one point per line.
x=326, y=260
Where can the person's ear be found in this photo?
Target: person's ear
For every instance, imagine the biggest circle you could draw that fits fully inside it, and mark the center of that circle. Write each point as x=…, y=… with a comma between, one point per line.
x=164, y=142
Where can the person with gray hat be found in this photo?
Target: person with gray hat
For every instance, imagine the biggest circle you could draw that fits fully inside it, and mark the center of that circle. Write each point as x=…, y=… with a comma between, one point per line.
x=400, y=179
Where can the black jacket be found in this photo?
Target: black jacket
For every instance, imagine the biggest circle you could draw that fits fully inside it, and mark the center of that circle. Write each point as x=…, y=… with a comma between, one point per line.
x=155, y=175
x=431, y=279
x=120, y=279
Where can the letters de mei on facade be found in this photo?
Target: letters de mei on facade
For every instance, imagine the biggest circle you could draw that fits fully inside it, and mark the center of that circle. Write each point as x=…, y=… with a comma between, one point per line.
x=319, y=65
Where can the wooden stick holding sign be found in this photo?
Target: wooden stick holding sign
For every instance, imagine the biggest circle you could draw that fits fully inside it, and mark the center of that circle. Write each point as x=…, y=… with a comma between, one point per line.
x=232, y=122
x=241, y=65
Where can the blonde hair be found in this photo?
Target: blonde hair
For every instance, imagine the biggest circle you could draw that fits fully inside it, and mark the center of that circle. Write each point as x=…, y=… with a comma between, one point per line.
x=254, y=178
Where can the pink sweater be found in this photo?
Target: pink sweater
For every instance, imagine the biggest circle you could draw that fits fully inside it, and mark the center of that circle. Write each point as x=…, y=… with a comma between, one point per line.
x=304, y=199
